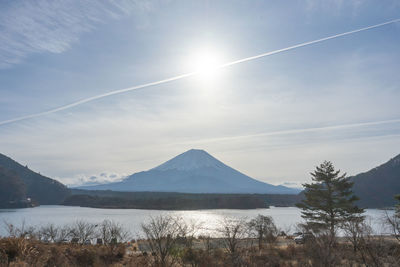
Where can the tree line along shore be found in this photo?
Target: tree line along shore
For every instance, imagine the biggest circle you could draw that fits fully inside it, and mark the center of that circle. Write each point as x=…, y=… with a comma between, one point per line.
x=176, y=201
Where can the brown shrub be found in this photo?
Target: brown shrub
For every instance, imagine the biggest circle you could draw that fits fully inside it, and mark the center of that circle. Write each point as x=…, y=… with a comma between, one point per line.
x=22, y=252
x=15, y=249
x=376, y=251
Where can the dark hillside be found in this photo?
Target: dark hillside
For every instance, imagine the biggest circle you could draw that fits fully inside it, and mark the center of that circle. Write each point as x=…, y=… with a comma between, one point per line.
x=12, y=188
x=376, y=188
x=39, y=188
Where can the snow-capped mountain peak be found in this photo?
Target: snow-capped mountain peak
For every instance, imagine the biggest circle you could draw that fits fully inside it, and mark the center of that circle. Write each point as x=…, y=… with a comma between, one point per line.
x=194, y=171
x=190, y=160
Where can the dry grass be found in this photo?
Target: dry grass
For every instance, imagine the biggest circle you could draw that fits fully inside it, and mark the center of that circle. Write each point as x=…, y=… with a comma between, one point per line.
x=22, y=252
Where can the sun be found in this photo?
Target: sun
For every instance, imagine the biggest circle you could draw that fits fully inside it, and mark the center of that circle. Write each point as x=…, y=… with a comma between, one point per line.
x=206, y=62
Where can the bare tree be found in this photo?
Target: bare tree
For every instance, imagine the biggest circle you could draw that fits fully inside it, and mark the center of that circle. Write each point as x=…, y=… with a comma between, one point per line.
x=232, y=231
x=161, y=233
x=393, y=222
x=285, y=230
x=10, y=229
x=83, y=231
x=354, y=230
x=187, y=232
x=23, y=230
x=373, y=248
x=358, y=232
x=111, y=232
x=206, y=240
x=49, y=232
x=53, y=233
x=63, y=234
x=264, y=229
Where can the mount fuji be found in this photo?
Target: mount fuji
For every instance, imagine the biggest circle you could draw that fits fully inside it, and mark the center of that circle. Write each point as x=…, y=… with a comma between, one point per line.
x=194, y=171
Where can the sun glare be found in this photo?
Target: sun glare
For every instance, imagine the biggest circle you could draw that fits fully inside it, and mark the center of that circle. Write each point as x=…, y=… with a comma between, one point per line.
x=206, y=63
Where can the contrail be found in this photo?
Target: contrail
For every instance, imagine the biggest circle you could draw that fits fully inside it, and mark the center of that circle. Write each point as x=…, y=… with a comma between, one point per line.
x=292, y=131
x=179, y=77
x=309, y=43
x=89, y=99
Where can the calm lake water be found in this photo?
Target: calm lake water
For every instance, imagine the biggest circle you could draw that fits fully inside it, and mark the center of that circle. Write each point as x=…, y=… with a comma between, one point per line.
x=285, y=218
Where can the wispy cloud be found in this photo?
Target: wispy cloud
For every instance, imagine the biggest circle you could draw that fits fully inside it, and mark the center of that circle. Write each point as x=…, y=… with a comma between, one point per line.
x=272, y=119
x=28, y=27
x=182, y=76
x=298, y=131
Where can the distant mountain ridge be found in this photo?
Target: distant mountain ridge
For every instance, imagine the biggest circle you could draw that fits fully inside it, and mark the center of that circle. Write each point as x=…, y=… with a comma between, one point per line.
x=377, y=187
x=44, y=190
x=194, y=171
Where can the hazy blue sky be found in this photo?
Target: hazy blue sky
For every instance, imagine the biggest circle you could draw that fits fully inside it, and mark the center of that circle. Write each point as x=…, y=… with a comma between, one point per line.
x=274, y=118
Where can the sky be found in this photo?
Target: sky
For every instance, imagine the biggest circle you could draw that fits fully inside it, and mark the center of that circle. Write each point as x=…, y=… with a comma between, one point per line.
x=273, y=118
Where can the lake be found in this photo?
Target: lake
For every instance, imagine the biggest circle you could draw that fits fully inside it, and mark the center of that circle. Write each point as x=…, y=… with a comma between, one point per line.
x=285, y=217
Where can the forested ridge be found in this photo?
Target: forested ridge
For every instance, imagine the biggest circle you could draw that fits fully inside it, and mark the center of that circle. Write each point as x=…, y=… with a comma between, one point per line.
x=26, y=183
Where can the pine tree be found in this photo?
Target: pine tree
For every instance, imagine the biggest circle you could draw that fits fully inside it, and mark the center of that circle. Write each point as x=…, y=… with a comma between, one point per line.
x=329, y=201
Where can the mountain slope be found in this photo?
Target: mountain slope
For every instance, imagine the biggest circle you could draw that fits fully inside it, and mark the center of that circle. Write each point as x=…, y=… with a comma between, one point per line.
x=12, y=189
x=194, y=171
x=377, y=187
x=38, y=187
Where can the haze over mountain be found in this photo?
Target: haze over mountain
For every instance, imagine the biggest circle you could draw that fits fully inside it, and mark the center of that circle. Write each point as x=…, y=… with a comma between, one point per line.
x=194, y=171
